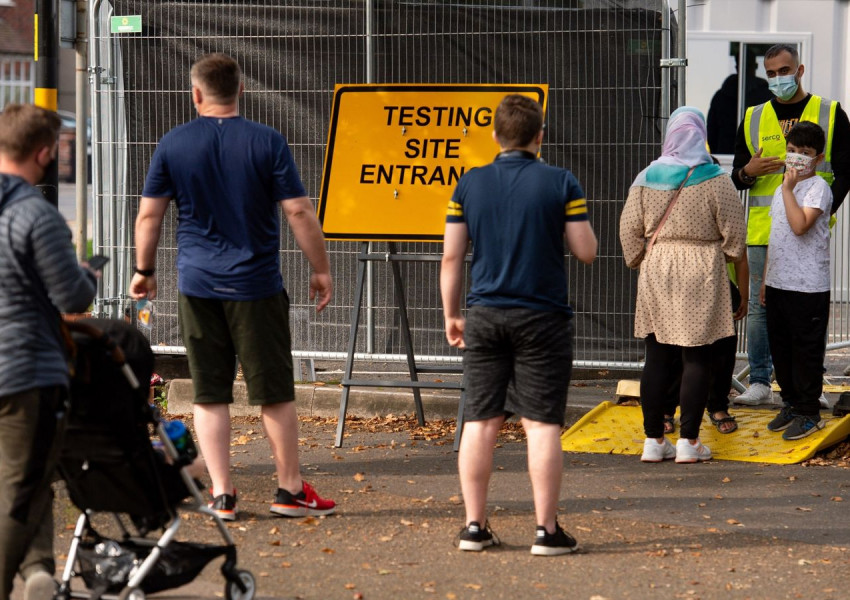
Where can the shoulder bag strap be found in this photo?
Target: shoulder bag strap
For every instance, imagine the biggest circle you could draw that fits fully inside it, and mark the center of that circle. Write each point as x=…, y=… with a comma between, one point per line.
x=668, y=211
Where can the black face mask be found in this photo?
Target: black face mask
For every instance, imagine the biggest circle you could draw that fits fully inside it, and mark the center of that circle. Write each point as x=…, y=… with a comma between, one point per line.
x=50, y=168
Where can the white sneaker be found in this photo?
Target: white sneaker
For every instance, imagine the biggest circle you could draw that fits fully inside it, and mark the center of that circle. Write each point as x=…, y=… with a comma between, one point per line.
x=757, y=393
x=688, y=453
x=653, y=452
x=824, y=403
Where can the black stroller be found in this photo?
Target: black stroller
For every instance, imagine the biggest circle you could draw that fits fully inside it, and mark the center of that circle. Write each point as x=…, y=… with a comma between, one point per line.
x=110, y=465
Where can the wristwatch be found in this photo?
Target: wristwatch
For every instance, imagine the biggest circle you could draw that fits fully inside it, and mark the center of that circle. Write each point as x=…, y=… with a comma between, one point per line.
x=745, y=179
x=144, y=272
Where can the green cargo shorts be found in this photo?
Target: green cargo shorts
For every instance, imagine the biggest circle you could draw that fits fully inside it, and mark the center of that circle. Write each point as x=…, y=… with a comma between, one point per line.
x=215, y=332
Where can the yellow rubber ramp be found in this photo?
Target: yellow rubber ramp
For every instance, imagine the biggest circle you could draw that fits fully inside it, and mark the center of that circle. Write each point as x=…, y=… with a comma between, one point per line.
x=828, y=388
x=615, y=429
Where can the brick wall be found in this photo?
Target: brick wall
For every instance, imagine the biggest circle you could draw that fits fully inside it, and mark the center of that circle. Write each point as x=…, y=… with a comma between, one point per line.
x=18, y=19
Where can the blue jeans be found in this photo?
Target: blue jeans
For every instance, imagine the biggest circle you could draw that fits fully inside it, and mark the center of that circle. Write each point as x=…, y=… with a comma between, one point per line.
x=758, y=348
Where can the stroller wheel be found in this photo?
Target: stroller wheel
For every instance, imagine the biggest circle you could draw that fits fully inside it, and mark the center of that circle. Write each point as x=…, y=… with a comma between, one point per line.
x=232, y=591
x=131, y=594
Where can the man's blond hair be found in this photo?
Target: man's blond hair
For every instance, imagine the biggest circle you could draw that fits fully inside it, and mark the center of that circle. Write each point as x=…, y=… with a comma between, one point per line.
x=26, y=128
x=219, y=76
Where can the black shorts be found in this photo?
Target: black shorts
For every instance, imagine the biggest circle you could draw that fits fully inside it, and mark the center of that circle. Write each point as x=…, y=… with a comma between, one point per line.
x=216, y=331
x=517, y=361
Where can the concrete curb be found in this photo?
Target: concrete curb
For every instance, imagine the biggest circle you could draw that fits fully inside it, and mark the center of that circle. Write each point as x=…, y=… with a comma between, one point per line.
x=323, y=400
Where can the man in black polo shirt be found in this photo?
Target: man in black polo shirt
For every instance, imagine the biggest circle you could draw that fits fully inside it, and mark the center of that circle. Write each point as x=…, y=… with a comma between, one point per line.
x=517, y=336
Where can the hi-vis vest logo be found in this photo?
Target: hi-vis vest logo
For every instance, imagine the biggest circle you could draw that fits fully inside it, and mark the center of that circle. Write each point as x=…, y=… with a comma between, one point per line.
x=396, y=152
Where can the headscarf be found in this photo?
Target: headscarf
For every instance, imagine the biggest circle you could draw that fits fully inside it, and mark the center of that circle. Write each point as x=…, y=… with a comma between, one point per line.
x=684, y=148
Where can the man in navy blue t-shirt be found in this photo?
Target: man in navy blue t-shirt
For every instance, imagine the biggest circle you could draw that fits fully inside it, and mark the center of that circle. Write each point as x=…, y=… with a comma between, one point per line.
x=517, y=336
x=227, y=176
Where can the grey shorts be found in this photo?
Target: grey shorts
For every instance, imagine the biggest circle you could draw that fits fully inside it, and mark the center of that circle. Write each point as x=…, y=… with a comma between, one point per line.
x=215, y=332
x=517, y=361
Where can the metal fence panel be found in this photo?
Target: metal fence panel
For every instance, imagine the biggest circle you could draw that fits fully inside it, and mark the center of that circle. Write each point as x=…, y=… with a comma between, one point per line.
x=600, y=59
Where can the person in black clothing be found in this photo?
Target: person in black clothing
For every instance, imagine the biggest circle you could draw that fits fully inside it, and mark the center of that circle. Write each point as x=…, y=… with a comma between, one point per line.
x=723, y=111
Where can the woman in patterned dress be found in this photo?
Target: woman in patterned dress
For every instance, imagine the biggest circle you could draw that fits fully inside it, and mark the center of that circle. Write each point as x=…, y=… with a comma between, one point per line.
x=684, y=309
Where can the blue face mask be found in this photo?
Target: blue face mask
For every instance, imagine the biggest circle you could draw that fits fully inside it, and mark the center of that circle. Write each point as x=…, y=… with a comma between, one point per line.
x=783, y=86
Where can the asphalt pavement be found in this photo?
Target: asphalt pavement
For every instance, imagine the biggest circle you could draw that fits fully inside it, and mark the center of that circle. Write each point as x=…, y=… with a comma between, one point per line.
x=716, y=530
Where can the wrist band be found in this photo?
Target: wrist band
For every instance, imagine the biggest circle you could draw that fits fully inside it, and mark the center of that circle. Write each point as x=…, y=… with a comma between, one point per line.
x=144, y=272
x=748, y=179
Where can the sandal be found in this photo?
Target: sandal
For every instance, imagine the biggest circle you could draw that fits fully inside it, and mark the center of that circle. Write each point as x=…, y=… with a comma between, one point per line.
x=719, y=423
x=669, y=424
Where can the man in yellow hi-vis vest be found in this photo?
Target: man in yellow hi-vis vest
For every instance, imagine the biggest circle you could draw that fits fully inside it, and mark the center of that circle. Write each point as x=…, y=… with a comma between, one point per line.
x=759, y=166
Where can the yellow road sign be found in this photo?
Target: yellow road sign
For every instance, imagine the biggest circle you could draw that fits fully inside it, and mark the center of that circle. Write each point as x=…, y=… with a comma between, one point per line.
x=396, y=152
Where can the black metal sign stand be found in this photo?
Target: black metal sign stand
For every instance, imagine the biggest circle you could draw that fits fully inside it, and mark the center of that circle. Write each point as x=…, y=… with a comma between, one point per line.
x=393, y=258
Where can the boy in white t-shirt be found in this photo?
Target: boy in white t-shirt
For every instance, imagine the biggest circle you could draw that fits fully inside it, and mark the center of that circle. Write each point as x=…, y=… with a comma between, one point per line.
x=795, y=292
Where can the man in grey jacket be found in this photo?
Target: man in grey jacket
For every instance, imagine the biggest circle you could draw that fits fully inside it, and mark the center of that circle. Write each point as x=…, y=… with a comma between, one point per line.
x=39, y=277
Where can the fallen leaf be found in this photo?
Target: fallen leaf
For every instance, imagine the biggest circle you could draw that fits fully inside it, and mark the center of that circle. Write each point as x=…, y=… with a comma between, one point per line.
x=804, y=509
x=328, y=550
x=350, y=586
x=837, y=499
x=359, y=476
x=472, y=586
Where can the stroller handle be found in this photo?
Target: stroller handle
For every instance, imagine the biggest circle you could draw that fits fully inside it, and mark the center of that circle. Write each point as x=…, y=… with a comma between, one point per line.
x=115, y=351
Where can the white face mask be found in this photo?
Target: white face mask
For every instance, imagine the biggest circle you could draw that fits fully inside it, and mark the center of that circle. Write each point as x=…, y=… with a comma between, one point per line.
x=799, y=162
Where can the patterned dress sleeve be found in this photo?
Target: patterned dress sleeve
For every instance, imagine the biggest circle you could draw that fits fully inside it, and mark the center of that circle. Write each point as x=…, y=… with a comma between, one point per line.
x=632, y=229
x=730, y=219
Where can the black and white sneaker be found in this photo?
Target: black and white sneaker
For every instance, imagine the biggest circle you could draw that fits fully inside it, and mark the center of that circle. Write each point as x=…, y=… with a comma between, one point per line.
x=474, y=538
x=782, y=420
x=803, y=425
x=553, y=544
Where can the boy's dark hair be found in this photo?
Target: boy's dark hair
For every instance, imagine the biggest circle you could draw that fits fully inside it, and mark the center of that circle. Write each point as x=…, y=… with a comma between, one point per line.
x=808, y=135
x=777, y=49
x=219, y=76
x=517, y=121
x=25, y=128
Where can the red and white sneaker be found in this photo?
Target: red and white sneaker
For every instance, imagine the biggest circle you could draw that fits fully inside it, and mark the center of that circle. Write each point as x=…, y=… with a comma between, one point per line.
x=304, y=503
